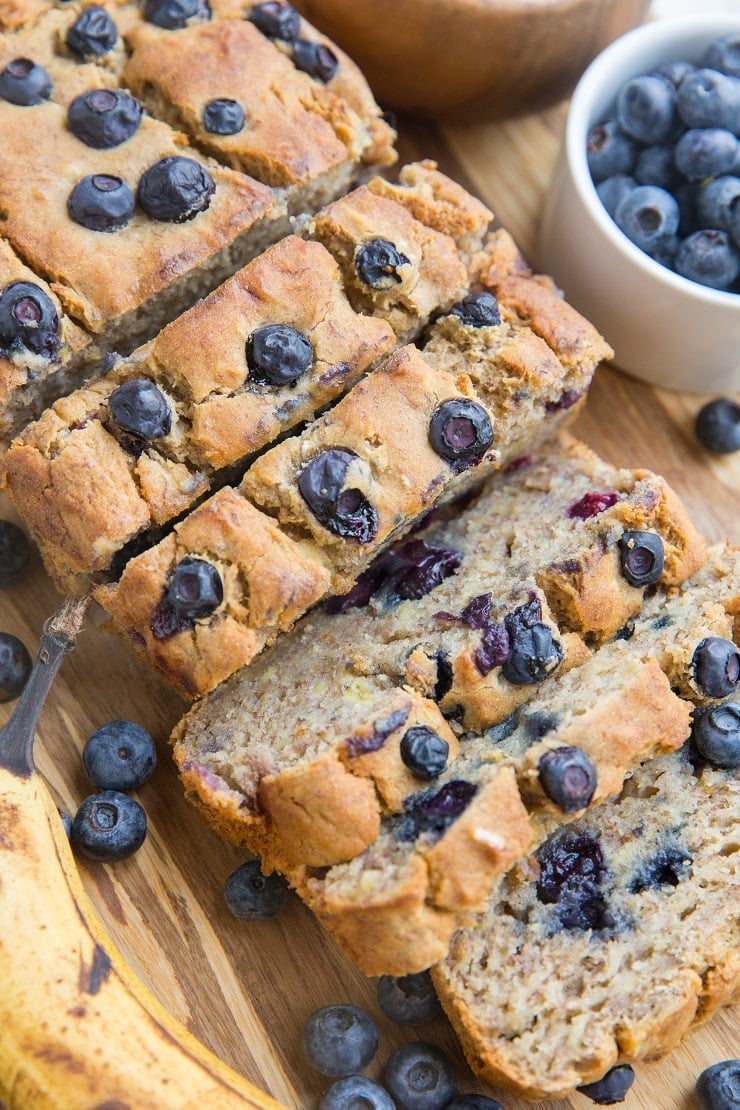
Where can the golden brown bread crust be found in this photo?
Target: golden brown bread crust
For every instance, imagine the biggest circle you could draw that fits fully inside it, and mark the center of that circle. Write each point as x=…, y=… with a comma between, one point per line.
x=149, y=255
x=267, y=581
x=297, y=129
x=27, y=379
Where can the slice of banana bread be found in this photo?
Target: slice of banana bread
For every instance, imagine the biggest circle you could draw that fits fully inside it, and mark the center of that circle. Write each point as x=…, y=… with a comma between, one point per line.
x=42, y=353
x=217, y=409
x=611, y=941
x=455, y=615
x=263, y=353
x=193, y=224
x=404, y=439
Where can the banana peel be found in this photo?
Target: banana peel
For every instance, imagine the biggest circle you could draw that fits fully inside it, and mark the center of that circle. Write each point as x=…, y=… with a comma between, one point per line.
x=78, y=1030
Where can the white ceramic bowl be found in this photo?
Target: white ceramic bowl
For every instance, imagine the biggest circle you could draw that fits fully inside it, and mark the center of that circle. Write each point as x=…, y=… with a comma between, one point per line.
x=664, y=328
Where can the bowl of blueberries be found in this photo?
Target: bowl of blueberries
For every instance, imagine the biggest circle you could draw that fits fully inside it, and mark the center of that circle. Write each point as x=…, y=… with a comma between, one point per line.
x=641, y=226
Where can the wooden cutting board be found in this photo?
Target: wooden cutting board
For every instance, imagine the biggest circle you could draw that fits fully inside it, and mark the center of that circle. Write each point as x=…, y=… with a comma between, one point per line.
x=246, y=990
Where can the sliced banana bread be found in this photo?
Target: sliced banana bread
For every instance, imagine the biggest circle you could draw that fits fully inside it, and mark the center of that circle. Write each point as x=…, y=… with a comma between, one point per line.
x=612, y=940
x=455, y=615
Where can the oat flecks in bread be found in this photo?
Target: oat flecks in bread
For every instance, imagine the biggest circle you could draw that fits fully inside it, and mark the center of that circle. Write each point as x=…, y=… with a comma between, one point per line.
x=159, y=266
x=267, y=582
x=429, y=616
x=615, y=708
x=660, y=955
x=47, y=356
x=218, y=414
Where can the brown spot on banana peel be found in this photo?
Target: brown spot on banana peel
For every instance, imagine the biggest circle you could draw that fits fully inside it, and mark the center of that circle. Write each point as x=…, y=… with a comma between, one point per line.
x=93, y=975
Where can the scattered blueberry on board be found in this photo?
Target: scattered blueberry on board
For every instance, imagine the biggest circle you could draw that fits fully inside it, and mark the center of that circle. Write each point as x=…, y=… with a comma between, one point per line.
x=666, y=165
x=356, y=1092
x=15, y=666
x=14, y=552
x=408, y=999
x=717, y=426
x=420, y=1077
x=612, y=1087
x=108, y=827
x=119, y=755
x=718, y=1087
x=339, y=1040
x=253, y=896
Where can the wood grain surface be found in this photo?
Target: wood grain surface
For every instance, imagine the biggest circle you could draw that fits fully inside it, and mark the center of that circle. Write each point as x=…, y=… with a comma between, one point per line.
x=245, y=989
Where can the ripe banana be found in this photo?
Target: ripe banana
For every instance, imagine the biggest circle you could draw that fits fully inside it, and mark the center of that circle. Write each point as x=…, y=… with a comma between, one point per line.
x=78, y=1031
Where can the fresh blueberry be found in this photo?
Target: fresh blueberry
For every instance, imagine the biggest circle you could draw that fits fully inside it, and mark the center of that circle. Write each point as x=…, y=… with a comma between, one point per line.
x=474, y=1102
x=612, y=1087
x=25, y=83
x=675, y=72
x=408, y=999
x=613, y=189
x=278, y=355
x=641, y=557
x=119, y=755
x=66, y=822
x=276, y=20
x=707, y=98
x=710, y=258
x=356, y=1092
x=723, y=53
x=223, y=117
x=716, y=665
x=568, y=778
x=534, y=654
x=420, y=1077
x=28, y=319
x=196, y=589
x=716, y=200
x=646, y=110
x=339, y=1040
x=315, y=59
x=717, y=426
x=14, y=552
x=173, y=15
x=655, y=165
x=377, y=263
x=609, y=151
x=15, y=666
x=648, y=216
x=140, y=409
x=424, y=752
x=460, y=431
x=706, y=152
x=572, y=876
x=253, y=896
x=92, y=34
x=478, y=310
x=108, y=827
x=686, y=194
x=345, y=512
x=175, y=189
x=104, y=118
x=101, y=202
x=718, y=1086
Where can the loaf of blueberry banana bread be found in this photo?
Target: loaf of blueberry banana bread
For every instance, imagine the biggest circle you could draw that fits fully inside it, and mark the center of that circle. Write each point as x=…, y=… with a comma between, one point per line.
x=42, y=352
x=618, y=934
x=455, y=615
x=407, y=437
x=271, y=347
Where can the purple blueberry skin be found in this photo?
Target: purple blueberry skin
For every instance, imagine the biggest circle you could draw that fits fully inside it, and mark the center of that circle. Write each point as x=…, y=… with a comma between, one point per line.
x=609, y=151
x=612, y=1087
x=108, y=827
x=649, y=216
x=718, y=1087
x=717, y=426
x=356, y=1092
x=705, y=152
x=15, y=666
x=613, y=189
x=646, y=109
x=339, y=1041
x=723, y=53
x=408, y=999
x=717, y=200
x=119, y=755
x=707, y=98
x=708, y=257
x=420, y=1077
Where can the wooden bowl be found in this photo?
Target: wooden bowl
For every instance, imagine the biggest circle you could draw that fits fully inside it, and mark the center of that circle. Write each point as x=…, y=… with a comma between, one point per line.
x=472, y=59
